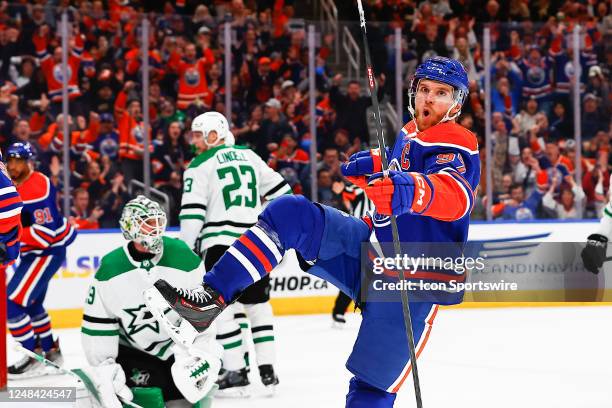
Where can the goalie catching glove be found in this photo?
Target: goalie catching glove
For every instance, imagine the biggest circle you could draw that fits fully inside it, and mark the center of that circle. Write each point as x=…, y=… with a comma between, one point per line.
x=196, y=369
x=594, y=254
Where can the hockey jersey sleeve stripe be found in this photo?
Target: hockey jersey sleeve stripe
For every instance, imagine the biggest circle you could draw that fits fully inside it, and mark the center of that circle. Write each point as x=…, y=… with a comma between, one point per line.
x=230, y=223
x=191, y=217
x=102, y=320
x=90, y=332
x=193, y=206
x=10, y=212
x=277, y=188
x=450, y=200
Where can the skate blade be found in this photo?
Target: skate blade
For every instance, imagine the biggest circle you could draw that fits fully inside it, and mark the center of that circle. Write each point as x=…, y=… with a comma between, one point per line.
x=35, y=373
x=234, y=392
x=184, y=333
x=269, y=391
x=338, y=325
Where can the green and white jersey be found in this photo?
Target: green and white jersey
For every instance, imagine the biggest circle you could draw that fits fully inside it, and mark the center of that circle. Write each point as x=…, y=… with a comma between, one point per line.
x=605, y=224
x=222, y=194
x=115, y=312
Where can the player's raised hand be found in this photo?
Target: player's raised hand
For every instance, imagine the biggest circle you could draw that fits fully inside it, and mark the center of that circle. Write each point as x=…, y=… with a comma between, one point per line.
x=360, y=165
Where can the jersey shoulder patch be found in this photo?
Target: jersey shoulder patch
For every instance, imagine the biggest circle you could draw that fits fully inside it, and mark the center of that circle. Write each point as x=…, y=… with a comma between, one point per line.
x=113, y=264
x=178, y=255
x=36, y=188
x=449, y=135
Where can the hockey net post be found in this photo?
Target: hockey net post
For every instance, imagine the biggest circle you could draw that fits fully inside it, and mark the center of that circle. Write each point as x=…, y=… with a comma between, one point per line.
x=3, y=344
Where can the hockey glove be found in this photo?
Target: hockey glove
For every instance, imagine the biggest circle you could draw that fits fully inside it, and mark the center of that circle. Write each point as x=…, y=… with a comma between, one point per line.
x=109, y=380
x=361, y=164
x=399, y=193
x=594, y=254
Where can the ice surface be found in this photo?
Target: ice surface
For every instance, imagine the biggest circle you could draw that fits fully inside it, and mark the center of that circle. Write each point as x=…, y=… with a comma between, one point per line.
x=513, y=357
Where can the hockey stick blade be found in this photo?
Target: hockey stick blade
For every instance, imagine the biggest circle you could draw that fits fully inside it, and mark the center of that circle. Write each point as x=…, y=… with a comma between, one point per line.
x=76, y=373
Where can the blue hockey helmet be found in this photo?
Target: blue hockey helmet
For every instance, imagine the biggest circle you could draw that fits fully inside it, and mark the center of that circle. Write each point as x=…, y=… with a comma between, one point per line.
x=20, y=150
x=447, y=71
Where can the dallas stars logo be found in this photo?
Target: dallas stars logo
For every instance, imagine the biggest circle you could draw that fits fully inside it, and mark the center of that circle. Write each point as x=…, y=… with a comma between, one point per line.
x=146, y=265
x=141, y=319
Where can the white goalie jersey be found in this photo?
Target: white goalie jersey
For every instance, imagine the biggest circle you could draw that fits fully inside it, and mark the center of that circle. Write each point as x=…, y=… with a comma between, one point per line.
x=222, y=194
x=115, y=311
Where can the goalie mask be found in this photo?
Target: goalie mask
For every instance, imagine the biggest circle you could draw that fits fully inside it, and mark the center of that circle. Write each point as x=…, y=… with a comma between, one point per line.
x=209, y=121
x=444, y=70
x=144, y=222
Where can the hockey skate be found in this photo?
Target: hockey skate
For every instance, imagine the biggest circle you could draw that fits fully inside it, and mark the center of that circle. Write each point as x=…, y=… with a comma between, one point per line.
x=26, y=367
x=233, y=384
x=198, y=307
x=268, y=378
x=338, y=321
x=29, y=367
x=55, y=354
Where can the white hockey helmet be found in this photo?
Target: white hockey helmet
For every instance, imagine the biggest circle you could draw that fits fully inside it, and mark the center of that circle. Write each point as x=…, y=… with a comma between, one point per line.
x=210, y=121
x=144, y=221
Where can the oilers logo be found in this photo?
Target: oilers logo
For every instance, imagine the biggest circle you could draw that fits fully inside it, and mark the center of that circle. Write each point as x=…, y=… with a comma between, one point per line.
x=536, y=75
x=524, y=213
x=109, y=147
x=138, y=134
x=57, y=72
x=568, y=69
x=192, y=77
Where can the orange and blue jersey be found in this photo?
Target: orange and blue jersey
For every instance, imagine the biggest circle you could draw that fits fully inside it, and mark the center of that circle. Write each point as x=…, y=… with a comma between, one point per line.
x=446, y=156
x=45, y=228
x=329, y=243
x=10, y=216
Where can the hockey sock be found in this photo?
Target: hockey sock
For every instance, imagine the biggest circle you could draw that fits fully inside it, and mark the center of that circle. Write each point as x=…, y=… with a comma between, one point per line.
x=251, y=256
x=42, y=329
x=20, y=327
x=229, y=335
x=288, y=222
x=261, y=317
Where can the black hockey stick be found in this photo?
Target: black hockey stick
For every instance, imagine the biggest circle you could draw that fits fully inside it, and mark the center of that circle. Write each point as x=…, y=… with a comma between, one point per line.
x=373, y=87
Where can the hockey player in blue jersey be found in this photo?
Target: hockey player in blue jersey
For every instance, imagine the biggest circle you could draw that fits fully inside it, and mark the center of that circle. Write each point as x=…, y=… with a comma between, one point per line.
x=46, y=234
x=434, y=172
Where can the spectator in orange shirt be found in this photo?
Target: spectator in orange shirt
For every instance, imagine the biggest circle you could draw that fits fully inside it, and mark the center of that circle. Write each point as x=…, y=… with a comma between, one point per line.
x=80, y=215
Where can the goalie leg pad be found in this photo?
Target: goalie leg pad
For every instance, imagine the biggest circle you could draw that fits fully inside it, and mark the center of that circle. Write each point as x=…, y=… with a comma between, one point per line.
x=150, y=397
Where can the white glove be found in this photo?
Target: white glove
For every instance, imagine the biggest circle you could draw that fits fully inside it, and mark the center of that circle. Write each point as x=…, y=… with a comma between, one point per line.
x=109, y=380
x=195, y=370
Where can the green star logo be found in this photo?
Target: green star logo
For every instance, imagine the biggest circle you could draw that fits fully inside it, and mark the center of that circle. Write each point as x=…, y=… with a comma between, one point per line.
x=146, y=265
x=141, y=319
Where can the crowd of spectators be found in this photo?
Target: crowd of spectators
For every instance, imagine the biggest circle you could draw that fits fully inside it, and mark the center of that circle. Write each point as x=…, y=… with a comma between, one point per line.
x=533, y=151
x=534, y=144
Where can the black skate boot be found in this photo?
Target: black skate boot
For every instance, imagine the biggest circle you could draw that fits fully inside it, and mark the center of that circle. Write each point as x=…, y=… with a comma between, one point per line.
x=199, y=306
x=55, y=354
x=233, y=383
x=268, y=377
x=338, y=320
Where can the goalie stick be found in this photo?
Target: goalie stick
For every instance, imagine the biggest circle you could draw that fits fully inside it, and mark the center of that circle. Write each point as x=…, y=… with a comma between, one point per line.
x=373, y=88
x=75, y=372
